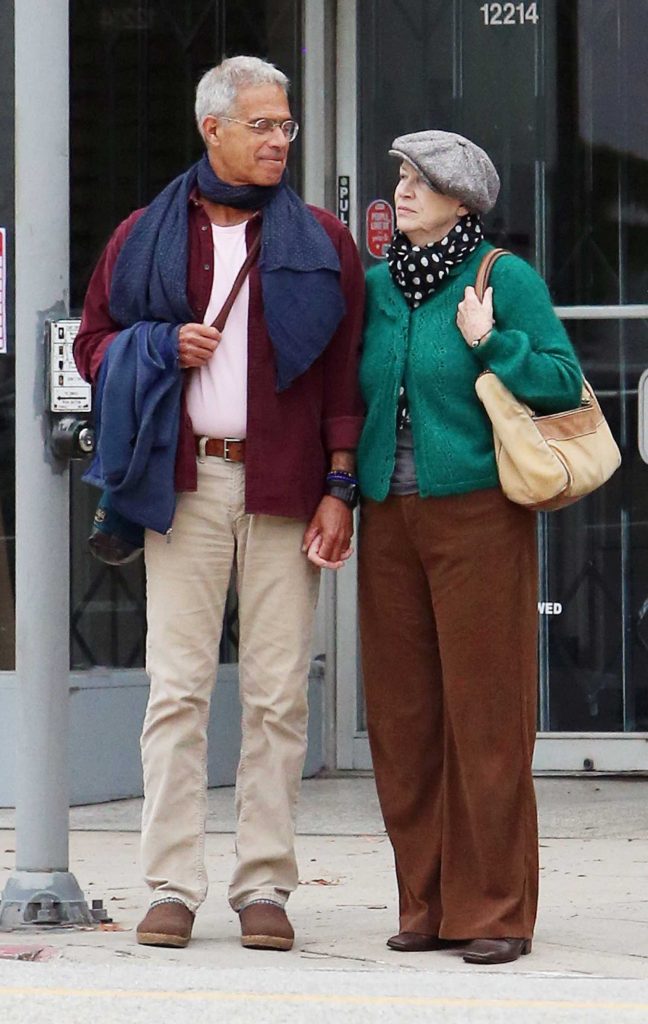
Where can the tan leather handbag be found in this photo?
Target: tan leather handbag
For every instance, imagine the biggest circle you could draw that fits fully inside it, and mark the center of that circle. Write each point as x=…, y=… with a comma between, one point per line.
x=545, y=462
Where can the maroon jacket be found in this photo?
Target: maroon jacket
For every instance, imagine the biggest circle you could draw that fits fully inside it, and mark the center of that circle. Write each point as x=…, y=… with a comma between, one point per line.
x=289, y=435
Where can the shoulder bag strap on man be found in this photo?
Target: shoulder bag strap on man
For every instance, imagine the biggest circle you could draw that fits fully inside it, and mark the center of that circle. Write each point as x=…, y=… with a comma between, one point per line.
x=115, y=540
x=221, y=319
x=484, y=272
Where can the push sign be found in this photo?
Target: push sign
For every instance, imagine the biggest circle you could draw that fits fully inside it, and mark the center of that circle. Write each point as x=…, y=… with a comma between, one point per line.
x=379, y=227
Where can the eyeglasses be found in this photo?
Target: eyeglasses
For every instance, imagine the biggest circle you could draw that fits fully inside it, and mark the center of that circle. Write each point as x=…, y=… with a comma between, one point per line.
x=265, y=125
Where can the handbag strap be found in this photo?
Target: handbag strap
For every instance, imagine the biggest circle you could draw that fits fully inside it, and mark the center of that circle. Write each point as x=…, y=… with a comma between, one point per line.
x=484, y=272
x=221, y=319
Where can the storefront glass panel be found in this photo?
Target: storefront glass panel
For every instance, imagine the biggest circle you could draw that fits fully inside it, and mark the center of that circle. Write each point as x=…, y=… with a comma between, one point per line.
x=556, y=92
x=595, y=565
x=134, y=69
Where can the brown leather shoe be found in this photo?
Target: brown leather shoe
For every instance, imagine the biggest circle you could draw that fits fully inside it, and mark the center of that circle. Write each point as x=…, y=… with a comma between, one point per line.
x=166, y=924
x=416, y=942
x=496, y=951
x=265, y=925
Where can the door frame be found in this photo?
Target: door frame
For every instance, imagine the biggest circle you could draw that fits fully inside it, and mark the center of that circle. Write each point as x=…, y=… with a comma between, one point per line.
x=565, y=752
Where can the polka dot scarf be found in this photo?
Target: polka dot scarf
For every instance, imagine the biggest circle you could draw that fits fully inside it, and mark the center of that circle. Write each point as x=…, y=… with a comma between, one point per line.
x=418, y=270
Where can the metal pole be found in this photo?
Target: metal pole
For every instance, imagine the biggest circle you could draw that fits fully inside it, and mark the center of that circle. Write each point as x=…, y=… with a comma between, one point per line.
x=344, y=587
x=41, y=890
x=317, y=106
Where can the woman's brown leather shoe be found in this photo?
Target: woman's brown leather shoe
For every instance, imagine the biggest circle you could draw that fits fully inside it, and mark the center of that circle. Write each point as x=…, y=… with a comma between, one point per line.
x=415, y=942
x=496, y=951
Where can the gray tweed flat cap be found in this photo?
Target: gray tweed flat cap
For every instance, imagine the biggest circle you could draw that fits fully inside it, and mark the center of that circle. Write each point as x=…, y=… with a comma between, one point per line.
x=452, y=165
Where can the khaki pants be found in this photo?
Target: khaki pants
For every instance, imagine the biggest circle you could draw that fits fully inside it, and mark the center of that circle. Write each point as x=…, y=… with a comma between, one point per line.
x=187, y=582
x=448, y=617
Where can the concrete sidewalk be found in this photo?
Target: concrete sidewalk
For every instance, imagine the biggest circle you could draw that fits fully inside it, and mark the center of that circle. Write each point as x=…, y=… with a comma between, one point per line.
x=593, y=920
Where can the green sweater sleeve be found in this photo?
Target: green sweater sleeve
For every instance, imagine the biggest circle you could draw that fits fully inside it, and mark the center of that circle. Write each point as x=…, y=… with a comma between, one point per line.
x=529, y=349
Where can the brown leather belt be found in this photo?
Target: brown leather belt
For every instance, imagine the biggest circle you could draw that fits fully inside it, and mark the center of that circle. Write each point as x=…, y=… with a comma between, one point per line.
x=232, y=449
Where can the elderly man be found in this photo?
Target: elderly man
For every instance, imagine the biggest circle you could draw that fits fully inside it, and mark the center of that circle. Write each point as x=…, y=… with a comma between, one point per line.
x=269, y=419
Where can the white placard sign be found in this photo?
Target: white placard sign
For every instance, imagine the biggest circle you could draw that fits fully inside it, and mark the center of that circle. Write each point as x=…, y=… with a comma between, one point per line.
x=3, y=290
x=68, y=391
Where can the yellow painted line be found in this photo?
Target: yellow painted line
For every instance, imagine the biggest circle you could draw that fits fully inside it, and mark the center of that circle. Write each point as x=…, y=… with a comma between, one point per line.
x=279, y=997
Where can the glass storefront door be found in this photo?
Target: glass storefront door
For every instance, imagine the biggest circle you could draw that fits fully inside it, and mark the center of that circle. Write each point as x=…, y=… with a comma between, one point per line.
x=134, y=67
x=555, y=91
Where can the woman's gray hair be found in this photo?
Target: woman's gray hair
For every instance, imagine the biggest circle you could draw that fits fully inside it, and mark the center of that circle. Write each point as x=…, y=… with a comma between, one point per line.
x=219, y=87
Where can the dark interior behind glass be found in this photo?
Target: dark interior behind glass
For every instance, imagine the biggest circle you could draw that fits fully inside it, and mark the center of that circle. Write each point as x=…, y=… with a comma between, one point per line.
x=557, y=94
x=134, y=70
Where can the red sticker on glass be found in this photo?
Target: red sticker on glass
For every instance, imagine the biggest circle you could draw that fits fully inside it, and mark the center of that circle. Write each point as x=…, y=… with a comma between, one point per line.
x=379, y=227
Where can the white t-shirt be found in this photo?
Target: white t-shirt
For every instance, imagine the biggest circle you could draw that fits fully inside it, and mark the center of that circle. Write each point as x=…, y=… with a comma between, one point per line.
x=217, y=392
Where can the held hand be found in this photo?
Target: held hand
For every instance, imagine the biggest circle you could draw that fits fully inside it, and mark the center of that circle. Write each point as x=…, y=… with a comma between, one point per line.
x=313, y=555
x=327, y=541
x=196, y=344
x=475, y=318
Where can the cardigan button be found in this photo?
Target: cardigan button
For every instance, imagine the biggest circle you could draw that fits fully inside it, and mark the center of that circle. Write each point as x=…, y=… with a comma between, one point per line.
x=206, y=266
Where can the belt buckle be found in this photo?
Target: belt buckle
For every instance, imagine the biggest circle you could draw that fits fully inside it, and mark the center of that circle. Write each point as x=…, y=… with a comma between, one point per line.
x=227, y=441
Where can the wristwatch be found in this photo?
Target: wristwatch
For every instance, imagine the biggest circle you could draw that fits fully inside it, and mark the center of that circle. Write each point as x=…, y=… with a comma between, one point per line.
x=346, y=490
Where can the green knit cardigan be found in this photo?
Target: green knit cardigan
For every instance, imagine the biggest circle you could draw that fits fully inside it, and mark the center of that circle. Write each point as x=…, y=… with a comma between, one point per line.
x=453, y=444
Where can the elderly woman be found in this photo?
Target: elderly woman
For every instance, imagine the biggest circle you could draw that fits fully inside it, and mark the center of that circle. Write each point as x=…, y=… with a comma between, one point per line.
x=448, y=566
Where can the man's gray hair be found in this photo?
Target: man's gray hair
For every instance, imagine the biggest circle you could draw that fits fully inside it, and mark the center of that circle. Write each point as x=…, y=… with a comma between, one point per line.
x=219, y=87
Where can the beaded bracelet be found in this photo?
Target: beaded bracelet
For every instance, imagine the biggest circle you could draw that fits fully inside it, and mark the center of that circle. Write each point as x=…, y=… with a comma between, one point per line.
x=340, y=476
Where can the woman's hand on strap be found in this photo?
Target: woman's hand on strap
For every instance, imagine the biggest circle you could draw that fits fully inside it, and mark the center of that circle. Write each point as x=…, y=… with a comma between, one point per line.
x=196, y=344
x=475, y=318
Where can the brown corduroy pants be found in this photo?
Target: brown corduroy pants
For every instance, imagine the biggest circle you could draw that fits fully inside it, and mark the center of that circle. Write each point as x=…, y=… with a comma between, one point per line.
x=448, y=619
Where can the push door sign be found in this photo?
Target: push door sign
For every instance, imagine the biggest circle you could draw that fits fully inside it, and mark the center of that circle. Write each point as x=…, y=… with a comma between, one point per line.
x=3, y=290
x=379, y=227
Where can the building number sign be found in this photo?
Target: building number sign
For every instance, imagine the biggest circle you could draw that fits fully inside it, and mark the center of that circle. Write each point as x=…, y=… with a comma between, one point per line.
x=509, y=14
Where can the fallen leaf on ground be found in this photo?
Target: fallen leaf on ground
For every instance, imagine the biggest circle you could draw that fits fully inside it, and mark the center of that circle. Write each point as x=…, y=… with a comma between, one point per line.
x=27, y=952
x=321, y=881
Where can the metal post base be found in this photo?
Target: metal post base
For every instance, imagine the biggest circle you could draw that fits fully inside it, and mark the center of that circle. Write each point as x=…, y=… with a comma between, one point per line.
x=39, y=898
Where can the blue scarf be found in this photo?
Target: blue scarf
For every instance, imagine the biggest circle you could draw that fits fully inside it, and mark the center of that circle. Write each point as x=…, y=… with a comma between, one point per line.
x=302, y=299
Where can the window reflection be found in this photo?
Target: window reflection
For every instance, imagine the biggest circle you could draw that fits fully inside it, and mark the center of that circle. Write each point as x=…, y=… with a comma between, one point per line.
x=599, y=210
